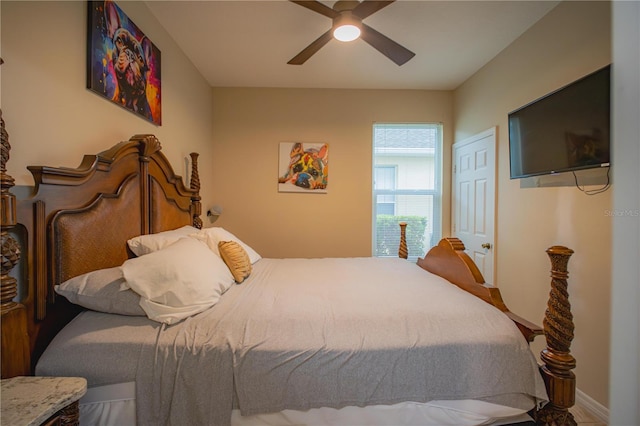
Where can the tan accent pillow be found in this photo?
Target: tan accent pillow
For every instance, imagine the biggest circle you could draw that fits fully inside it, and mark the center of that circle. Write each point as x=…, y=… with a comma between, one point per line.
x=236, y=259
x=212, y=236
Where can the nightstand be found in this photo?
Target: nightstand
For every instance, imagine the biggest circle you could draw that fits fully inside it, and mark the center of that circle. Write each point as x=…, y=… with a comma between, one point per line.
x=34, y=401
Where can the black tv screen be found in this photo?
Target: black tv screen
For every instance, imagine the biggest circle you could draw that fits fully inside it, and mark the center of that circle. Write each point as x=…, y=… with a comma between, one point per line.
x=563, y=131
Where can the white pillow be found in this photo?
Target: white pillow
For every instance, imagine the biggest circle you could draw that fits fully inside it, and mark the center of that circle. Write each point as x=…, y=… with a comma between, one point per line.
x=145, y=244
x=102, y=291
x=212, y=236
x=178, y=281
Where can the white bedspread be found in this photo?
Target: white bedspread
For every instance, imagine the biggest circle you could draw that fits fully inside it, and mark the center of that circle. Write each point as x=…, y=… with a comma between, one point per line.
x=306, y=333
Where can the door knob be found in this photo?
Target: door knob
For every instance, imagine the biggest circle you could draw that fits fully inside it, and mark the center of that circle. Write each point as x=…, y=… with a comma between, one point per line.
x=486, y=246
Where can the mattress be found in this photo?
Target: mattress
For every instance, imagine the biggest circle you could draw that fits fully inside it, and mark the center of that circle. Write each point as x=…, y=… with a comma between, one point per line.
x=307, y=334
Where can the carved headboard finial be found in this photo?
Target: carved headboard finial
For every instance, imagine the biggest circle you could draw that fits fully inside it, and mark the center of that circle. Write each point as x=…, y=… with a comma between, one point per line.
x=6, y=147
x=195, y=185
x=10, y=247
x=15, y=338
x=149, y=144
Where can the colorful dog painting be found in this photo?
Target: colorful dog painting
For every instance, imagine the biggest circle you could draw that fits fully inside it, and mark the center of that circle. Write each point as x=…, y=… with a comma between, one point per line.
x=123, y=64
x=304, y=167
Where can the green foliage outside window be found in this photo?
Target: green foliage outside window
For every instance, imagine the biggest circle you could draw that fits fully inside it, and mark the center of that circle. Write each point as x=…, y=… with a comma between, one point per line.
x=388, y=235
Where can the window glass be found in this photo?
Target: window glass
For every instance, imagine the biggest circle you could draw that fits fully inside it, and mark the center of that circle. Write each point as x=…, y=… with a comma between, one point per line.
x=407, y=164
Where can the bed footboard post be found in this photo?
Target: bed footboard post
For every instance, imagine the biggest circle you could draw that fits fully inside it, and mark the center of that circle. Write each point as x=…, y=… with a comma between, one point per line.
x=558, y=361
x=13, y=322
x=403, y=252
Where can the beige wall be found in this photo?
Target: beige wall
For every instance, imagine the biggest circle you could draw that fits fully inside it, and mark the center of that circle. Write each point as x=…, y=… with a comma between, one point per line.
x=52, y=119
x=248, y=126
x=571, y=41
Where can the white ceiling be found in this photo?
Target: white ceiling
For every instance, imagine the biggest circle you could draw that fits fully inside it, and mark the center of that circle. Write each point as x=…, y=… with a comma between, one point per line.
x=243, y=43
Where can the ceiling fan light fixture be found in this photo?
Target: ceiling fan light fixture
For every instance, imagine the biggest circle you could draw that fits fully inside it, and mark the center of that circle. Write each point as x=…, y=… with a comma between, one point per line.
x=346, y=27
x=346, y=33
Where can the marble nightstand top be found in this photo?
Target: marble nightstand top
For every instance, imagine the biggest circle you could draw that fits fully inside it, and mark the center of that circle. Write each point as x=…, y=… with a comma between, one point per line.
x=30, y=400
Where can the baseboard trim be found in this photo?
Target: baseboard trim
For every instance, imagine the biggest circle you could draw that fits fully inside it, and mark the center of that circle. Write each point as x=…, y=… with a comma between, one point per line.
x=594, y=407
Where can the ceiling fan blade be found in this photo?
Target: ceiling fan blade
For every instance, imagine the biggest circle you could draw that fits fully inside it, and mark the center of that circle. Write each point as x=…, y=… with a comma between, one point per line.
x=311, y=49
x=386, y=46
x=316, y=6
x=369, y=7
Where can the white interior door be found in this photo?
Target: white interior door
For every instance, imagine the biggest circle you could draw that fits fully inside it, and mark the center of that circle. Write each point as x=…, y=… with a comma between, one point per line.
x=474, y=177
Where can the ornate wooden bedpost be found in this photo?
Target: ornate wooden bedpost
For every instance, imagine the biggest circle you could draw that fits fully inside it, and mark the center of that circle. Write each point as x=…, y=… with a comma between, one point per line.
x=195, y=185
x=15, y=338
x=403, y=253
x=557, y=358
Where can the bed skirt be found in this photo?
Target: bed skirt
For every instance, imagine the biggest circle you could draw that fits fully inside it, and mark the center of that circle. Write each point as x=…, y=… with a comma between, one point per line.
x=114, y=405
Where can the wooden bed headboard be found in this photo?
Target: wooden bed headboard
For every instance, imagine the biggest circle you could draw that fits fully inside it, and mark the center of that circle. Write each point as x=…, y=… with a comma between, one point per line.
x=78, y=220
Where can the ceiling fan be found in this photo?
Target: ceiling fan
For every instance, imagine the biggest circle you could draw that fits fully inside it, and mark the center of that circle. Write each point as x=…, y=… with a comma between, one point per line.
x=349, y=15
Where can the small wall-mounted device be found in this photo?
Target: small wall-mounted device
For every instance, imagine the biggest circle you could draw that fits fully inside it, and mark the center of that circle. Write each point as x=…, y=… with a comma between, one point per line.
x=214, y=213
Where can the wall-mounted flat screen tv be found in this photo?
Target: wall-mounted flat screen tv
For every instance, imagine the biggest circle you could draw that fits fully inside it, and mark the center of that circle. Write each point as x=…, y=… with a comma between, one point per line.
x=563, y=131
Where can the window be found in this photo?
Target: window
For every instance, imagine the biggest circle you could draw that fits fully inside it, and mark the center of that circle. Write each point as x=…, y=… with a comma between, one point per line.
x=407, y=161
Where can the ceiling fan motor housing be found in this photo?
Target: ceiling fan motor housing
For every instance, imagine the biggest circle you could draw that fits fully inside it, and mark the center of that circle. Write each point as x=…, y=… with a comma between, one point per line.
x=342, y=5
